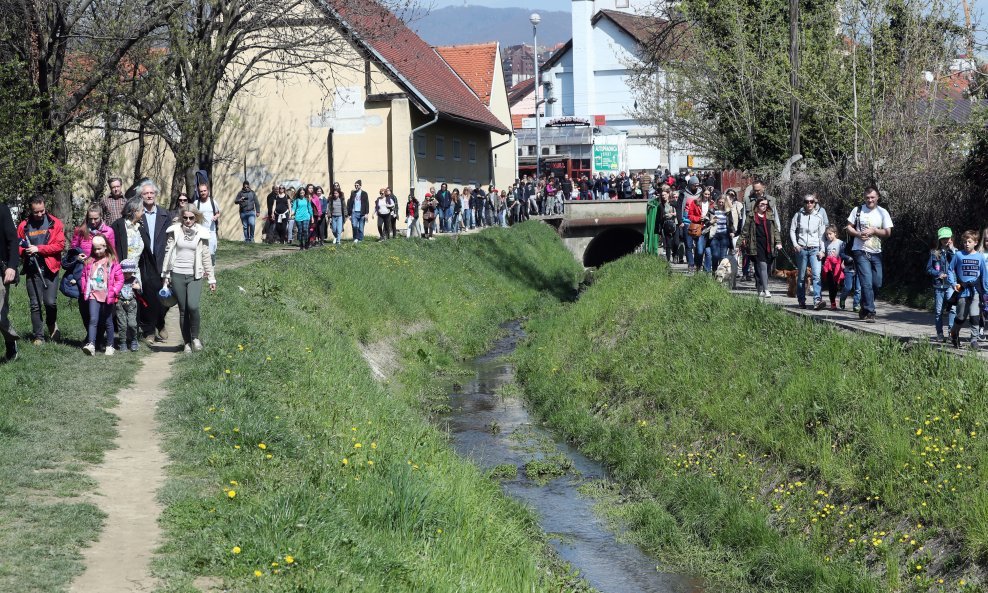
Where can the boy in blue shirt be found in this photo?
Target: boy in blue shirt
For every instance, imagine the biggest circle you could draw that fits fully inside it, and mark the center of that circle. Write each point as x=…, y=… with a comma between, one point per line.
x=969, y=277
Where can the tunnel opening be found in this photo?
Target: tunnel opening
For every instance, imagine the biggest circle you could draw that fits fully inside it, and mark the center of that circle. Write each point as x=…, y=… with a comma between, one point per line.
x=612, y=244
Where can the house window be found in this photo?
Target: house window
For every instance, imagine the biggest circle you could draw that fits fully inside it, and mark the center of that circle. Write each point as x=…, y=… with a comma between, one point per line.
x=456, y=149
x=545, y=150
x=440, y=148
x=472, y=152
x=621, y=4
x=521, y=151
x=420, y=145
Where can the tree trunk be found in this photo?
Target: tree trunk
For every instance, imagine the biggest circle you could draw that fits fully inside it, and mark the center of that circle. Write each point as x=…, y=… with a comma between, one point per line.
x=139, y=157
x=61, y=204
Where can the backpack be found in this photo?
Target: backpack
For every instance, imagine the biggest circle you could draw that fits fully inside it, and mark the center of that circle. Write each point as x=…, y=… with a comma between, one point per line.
x=849, y=244
x=203, y=178
x=69, y=285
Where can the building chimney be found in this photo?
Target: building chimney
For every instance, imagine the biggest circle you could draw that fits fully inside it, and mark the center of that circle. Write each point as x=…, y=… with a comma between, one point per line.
x=584, y=91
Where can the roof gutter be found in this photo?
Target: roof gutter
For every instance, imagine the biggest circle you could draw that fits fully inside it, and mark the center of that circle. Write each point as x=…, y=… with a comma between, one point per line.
x=412, y=174
x=490, y=161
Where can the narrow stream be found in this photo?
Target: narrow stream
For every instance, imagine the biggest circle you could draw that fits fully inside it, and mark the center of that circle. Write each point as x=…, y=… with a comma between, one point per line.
x=492, y=430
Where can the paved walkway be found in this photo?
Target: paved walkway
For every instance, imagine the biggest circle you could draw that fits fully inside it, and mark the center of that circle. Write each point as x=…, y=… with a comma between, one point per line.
x=894, y=321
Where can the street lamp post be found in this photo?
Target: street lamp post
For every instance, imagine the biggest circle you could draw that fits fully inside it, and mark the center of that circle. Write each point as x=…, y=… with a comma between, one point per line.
x=535, y=19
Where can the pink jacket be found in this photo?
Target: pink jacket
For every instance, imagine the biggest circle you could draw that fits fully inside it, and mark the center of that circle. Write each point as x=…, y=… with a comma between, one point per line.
x=85, y=245
x=113, y=285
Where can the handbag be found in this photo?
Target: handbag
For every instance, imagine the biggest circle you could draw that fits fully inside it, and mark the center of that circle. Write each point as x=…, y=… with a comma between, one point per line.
x=695, y=229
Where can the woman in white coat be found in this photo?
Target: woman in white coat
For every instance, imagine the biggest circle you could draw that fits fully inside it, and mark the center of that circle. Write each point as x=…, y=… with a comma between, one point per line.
x=187, y=264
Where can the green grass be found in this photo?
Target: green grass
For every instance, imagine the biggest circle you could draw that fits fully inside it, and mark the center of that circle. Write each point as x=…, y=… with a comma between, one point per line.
x=767, y=452
x=353, y=481
x=53, y=423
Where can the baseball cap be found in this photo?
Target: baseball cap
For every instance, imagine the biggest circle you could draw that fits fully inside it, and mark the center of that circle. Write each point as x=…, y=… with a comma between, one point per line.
x=944, y=233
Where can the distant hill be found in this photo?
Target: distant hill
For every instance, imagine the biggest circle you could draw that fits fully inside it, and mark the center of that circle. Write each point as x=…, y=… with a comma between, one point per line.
x=455, y=25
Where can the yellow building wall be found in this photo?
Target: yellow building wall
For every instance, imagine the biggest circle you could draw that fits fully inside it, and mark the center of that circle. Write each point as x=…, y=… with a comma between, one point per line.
x=505, y=157
x=279, y=128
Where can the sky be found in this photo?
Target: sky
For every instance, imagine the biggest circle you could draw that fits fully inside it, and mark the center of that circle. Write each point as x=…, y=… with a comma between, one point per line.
x=979, y=10
x=534, y=4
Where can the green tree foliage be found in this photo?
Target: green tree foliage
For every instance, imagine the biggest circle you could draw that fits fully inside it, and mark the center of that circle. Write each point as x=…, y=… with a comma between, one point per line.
x=25, y=157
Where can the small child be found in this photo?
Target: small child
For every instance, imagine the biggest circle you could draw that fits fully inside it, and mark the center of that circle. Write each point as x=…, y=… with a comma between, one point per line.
x=832, y=275
x=126, y=309
x=969, y=277
x=936, y=267
x=100, y=286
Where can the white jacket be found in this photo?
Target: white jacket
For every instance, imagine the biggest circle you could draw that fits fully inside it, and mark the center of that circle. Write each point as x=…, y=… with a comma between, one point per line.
x=204, y=262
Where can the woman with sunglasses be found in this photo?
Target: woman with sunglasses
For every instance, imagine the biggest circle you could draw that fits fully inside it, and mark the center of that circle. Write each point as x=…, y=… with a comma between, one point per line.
x=187, y=263
x=807, y=233
x=336, y=210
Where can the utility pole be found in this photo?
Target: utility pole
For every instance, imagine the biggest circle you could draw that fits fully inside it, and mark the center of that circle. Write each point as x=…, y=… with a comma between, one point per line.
x=794, y=148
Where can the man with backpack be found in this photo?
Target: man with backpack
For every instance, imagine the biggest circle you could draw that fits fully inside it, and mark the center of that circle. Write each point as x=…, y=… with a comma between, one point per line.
x=210, y=212
x=869, y=223
x=250, y=209
x=42, y=239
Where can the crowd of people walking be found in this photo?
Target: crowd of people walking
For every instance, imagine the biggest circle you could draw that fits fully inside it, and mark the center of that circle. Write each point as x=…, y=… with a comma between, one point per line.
x=131, y=260
x=126, y=264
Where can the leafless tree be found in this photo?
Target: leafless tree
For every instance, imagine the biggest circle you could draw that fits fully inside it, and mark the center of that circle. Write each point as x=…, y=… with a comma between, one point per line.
x=71, y=49
x=214, y=50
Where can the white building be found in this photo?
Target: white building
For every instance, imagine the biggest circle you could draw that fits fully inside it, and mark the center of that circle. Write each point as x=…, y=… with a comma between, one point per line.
x=588, y=79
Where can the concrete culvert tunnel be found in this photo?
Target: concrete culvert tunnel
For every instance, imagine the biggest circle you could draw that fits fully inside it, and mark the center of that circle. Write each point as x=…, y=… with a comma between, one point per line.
x=612, y=244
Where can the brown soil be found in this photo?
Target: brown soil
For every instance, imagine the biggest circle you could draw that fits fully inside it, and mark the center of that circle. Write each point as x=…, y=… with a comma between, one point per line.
x=132, y=473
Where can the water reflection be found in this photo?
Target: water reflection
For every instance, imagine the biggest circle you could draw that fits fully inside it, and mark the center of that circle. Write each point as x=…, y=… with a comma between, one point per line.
x=492, y=430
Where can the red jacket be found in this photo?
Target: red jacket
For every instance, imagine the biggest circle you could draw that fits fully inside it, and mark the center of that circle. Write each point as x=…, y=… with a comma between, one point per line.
x=51, y=251
x=694, y=211
x=114, y=282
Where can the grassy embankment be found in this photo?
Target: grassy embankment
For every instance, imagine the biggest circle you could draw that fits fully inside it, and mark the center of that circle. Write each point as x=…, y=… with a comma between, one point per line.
x=53, y=423
x=766, y=452
x=293, y=469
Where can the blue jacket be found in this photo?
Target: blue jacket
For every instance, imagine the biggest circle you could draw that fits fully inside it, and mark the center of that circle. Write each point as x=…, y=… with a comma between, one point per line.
x=968, y=270
x=939, y=263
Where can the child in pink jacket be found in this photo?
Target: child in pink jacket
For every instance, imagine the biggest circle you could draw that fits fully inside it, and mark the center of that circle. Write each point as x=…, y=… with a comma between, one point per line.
x=99, y=287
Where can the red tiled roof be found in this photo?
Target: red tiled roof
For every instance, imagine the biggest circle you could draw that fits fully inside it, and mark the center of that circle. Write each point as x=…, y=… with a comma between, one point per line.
x=520, y=91
x=665, y=37
x=516, y=120
x=414, y=62
x=475, y=65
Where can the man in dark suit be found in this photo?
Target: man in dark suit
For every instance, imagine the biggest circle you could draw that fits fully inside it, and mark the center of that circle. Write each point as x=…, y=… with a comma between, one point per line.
x=357, y=208
x=9, y=262
x=153, y=225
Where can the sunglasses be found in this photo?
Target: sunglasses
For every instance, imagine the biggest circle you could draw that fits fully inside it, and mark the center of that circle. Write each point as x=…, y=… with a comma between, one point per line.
x=188, y=218
x=809, y=201
x=183, y=199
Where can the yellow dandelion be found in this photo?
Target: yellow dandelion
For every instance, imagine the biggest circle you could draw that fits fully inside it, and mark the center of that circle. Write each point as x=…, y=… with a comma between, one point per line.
x=236, y=549
x=227, y=371
x=233, y=483
x=232, y=494
x=261, y=446
x=346, y=461
x=373, y=445
x=369, y=462
x=258, y=573
x=357, y=445
x=289, y=559
x=207, y=428
x=268, y=456
x=274, y=565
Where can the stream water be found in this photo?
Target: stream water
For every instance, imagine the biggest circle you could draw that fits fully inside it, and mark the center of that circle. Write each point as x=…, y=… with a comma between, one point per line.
x=492, y=430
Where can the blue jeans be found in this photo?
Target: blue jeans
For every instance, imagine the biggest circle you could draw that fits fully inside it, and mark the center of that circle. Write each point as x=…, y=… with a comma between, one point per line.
x=249, y=220
x=336, y=224
x=804, y=256
x=851, y=286
x=302, y=230
x=703, y=252
x=468, y=222
x=690, y=250
x=720, y=245
x=940, y=296
x=100, y=315
x=446, y=216
x=357, y=222
x=869, y=268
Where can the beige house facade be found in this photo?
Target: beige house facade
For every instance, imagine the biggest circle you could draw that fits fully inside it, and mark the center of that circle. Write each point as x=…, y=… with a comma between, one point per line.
x=390, y=112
